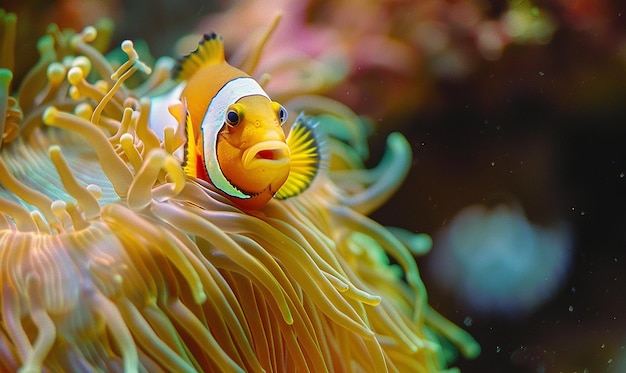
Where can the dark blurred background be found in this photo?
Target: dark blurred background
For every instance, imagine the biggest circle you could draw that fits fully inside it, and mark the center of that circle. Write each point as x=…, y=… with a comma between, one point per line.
x=552, y=120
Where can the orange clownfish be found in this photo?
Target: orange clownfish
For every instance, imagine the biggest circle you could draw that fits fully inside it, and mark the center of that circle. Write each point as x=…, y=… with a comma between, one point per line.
x=234, y=134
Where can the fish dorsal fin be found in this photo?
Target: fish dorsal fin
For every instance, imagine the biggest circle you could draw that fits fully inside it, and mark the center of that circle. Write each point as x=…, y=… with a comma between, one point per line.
x=305, y=146
x=210, y=51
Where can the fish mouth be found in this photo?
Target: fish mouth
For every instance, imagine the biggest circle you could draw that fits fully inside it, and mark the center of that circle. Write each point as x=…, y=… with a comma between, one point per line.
x=273, y=154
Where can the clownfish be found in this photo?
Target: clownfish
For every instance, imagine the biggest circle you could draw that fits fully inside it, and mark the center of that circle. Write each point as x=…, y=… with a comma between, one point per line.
x=234, y=132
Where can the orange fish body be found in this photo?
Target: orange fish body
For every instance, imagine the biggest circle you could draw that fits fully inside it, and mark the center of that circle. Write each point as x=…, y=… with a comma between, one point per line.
x=235, y=138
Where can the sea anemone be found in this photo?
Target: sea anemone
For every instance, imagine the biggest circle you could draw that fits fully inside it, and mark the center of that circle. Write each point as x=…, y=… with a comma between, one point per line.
x=113, y=260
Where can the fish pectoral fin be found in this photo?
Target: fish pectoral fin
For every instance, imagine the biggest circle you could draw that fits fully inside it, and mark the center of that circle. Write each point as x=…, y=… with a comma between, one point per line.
x=192, y=153
x=305, y=145
x=210, y=51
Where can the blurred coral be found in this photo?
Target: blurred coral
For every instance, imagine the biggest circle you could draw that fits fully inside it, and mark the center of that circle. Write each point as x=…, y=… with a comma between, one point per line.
x=496, y=262
x=388, y=52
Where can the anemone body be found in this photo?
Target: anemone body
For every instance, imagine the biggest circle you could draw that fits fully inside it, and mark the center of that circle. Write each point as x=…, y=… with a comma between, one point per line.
x=112, y=260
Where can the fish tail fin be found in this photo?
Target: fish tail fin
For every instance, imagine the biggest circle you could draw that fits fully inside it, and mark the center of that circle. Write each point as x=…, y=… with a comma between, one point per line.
x=210, y=51
x=305, y=145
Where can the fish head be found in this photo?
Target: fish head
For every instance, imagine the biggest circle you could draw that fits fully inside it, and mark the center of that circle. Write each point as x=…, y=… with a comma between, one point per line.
x=251, y=148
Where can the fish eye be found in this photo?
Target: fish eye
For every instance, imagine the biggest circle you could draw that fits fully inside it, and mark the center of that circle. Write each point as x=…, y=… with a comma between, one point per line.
x=232, y=118
x=282, y=115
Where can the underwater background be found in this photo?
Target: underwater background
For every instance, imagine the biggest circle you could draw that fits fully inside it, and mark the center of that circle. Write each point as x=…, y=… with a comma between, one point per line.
x=515, y=111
